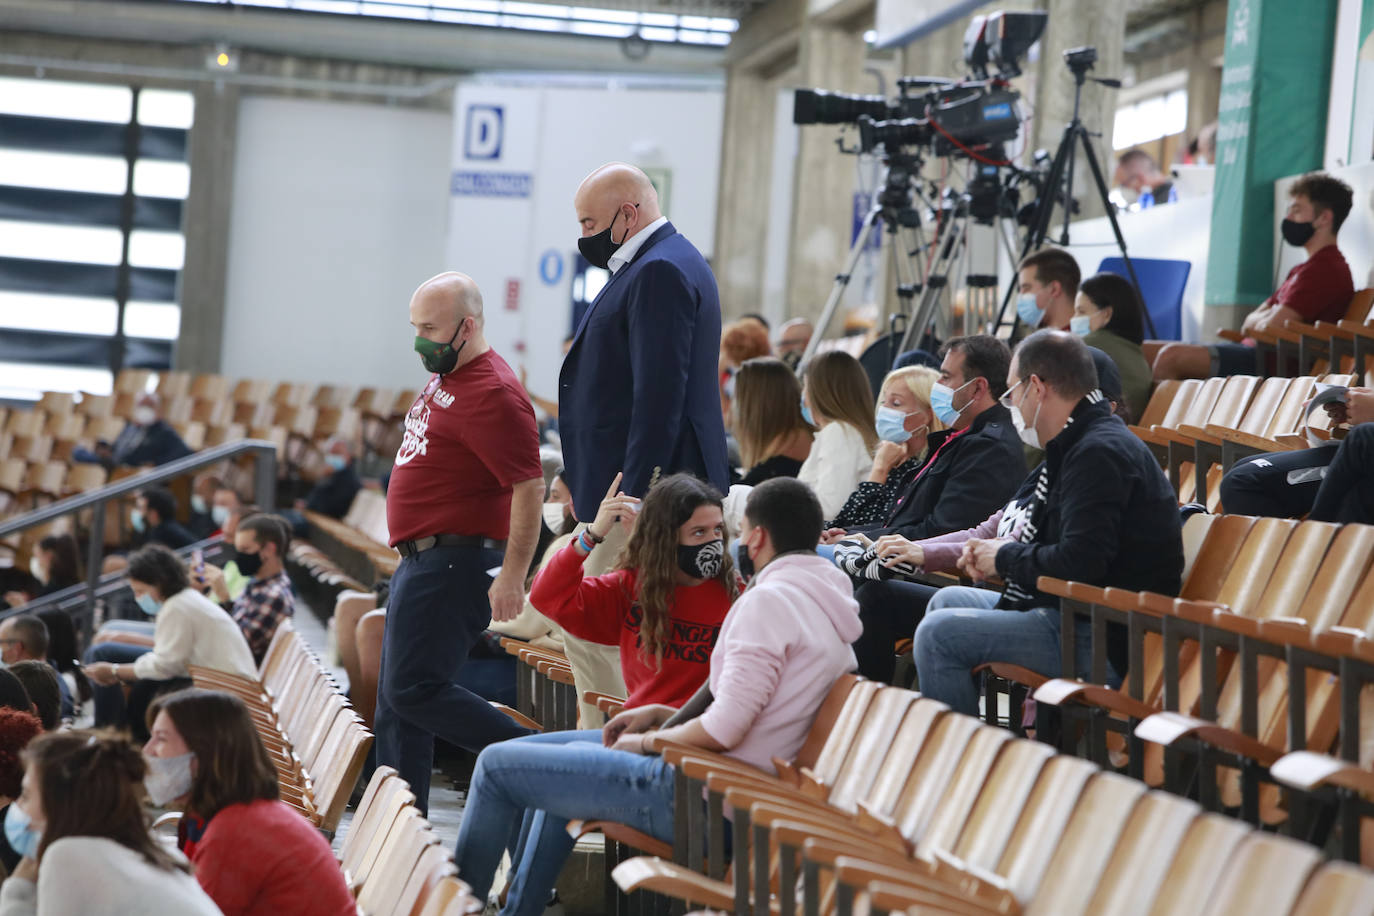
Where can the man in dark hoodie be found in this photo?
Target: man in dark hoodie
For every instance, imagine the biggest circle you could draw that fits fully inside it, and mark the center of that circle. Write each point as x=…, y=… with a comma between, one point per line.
x=1099, y=511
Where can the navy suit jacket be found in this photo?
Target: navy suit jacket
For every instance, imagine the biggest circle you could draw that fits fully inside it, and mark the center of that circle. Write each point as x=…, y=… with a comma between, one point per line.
x=638, y=391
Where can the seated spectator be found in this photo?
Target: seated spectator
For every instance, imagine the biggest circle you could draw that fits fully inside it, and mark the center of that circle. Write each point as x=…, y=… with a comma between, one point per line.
x=1138, y=174
x=62, y=652
x=1049, y=283
x=80, y=827
x=225, y=505
x=793, y=338
x=1099, y=510
x=202, y=522
x=153, y=519
x=782, y=646
x=333, y=494
x=664, y=603
x=12, y=693
x=260, y=543
x=1329, y=483
x=147, y=440
x=41, y=683
x=55, y=565
x=907, y=422
x=1108, y=315
x=837, y=400
x=739, y=343
x=252, y=853
x=17, y=729
x=190, y=630
x=975, y=463
x=773, y=437
x=558, y=508
x=1318, y=289
x=25, y=638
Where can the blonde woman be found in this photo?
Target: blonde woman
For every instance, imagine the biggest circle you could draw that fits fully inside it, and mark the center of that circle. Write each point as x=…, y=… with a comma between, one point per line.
x=837, y=400
x=773, y=437
x=903, y=408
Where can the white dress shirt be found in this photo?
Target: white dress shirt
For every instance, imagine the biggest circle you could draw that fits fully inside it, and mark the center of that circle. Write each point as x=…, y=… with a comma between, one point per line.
x=626, y=252
x=193, y=630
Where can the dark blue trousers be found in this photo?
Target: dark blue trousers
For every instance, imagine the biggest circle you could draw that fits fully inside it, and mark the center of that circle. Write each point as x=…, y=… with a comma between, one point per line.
x=437, y=609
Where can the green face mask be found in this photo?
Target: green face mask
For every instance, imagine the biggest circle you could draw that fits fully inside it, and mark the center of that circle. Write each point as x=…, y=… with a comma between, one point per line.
x=439, y=357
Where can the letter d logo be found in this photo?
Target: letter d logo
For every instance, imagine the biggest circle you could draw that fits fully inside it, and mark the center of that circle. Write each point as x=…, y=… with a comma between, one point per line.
x=482, y=132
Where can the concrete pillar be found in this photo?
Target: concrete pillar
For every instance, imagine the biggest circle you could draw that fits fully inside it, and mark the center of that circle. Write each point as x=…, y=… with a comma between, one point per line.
x=742, y=207
x=1204, y=72
x=831, y=56
x=1072, y=24
x=205, y=224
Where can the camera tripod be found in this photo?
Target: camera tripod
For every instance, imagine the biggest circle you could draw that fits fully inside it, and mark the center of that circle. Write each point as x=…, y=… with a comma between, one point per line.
x=1059, y=186
x=893, y=209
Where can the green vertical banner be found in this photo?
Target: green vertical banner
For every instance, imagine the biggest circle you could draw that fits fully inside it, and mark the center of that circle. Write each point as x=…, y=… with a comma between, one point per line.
x=1272, y=123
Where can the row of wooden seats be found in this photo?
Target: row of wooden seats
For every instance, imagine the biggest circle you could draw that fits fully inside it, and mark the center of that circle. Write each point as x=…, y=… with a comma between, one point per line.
x=1344, y=344
x=394, y=862
x=352, y=550
x=944, y=814
x=25, y=485
x=545, y=690
x=316, y=740
x=1199, y=428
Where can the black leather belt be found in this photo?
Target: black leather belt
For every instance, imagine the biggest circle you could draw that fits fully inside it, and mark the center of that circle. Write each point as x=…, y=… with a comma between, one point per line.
x=410, y=548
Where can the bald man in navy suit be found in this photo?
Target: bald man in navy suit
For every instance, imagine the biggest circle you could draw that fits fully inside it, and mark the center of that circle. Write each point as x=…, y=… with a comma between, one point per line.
x=638, y=390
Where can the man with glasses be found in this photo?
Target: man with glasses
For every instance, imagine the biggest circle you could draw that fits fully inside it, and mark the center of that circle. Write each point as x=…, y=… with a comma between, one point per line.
x=1098, y=510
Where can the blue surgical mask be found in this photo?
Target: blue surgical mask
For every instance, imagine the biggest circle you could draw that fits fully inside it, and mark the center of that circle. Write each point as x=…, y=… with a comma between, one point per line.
x=219, y=514
x=942, y=402
x=198, y=504
x=891, y=425
x=1030, y=314
x=138, y=521
x=807, y=415
x=1082, y=325
x=19, y=831
x=148, y=604
x=336, y=462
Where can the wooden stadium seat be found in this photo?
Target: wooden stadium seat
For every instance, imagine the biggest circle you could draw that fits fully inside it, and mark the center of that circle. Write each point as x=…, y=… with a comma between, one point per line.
x=410, y=836
x=1337, y=889
x=1266, y=874
x=450, y=897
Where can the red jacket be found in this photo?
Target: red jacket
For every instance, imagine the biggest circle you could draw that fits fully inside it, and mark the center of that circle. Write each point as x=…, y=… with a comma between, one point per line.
x=600, y=609
x=263, y=858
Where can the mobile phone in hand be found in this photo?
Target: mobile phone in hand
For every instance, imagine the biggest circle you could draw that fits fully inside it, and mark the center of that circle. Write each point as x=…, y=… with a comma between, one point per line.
x=198, y=560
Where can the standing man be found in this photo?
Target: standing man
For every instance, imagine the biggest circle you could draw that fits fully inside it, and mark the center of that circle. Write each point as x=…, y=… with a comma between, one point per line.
x=467, y=478
x=638, y=390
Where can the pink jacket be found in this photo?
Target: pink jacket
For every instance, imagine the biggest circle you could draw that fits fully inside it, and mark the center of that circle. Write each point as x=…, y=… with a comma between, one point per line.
x=781, y=648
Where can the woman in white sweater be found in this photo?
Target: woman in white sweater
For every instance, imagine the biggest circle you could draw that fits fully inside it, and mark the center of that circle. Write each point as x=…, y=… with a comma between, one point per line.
x=837, y=399
x=80, y=827
x=190, y=630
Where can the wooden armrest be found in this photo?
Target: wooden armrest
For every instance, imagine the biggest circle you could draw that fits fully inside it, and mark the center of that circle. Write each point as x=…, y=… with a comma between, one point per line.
x=1015, y=673
x=643, y=873
x=1338, y=641
x=1197, y=611
x=1198, y=434
x=1060, y=691
x=517, y=717
x=1235, y=623
x=1168, y=728
x=1356, y=328
x=1249, y=440
x=794, y=826
x=594, y=698
x=1308, y=770
x=856, y=872
x=1286, y=631
x=1077, y=591
x=627, y=836
x=1233, y=336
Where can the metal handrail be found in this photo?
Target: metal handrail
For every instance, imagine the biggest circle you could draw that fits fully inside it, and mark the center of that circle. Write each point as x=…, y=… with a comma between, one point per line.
x=264, y=490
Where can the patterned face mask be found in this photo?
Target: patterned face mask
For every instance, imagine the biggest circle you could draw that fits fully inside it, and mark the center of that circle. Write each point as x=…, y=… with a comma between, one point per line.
x=702, y=561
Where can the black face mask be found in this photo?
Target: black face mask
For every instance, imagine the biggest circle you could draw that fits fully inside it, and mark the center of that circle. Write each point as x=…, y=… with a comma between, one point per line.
x=745, y=564
x=597, y=249
x=702, y=561
x=1298, y=234
x=248, y=563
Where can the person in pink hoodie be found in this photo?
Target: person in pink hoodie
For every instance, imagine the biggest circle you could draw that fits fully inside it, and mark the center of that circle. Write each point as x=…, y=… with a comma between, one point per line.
x=781, y=646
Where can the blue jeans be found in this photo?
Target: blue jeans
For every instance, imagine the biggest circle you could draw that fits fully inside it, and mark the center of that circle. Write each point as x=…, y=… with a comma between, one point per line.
x=523, y=794
x=436, y=610
x=962, y=629
x=112, y=709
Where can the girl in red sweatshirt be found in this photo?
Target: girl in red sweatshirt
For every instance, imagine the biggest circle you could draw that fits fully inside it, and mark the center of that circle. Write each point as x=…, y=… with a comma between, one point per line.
x=664, y=602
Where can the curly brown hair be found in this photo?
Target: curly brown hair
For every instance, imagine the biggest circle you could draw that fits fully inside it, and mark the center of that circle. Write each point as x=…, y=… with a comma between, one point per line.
x=651, y=553
x=17, y=729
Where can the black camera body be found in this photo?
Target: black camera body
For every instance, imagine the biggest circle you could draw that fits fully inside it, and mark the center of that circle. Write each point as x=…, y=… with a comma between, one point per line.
x=1080, y=60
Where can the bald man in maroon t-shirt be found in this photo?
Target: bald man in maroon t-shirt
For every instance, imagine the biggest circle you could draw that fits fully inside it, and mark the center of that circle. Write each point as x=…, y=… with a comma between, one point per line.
x=467, y=486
